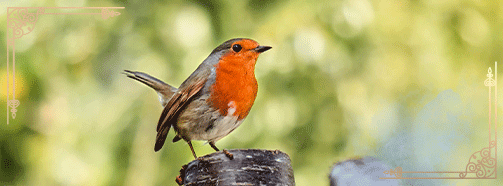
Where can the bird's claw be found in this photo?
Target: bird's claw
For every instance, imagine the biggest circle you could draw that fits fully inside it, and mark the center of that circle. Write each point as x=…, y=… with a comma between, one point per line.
x=228, y=154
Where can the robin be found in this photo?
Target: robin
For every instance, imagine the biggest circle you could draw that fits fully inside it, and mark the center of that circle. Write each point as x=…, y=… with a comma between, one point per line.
x=214, y=100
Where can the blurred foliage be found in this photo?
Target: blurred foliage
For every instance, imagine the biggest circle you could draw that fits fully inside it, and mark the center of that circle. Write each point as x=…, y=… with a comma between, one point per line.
x=344, y=79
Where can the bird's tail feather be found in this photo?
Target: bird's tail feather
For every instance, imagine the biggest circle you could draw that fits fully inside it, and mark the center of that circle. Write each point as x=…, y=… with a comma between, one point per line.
x=164, y=90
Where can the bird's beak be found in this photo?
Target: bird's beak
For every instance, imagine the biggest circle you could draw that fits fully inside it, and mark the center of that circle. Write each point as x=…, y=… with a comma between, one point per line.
x=261, y=49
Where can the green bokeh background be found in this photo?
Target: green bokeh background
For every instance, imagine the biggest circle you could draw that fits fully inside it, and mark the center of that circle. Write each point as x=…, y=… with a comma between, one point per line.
x=398, y=80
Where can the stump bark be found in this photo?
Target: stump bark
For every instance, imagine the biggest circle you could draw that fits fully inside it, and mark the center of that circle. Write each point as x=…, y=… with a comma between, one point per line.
x=247, y=167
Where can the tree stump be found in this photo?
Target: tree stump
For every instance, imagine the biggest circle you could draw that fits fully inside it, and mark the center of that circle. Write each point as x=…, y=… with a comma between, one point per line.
x=362, y=171
x=247, y=167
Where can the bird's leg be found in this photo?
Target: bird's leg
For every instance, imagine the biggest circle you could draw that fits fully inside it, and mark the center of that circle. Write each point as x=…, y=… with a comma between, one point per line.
x=192, y=149
x=228, y=154
x=212, y=144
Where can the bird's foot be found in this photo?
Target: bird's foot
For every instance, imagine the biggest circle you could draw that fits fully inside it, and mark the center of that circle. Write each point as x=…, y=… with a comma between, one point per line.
x=179, y=178
x=228, y=154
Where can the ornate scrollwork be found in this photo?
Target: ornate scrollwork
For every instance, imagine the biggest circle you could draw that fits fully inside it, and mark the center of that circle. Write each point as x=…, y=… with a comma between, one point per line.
x=21, y=21
x=106, y=13
x=397, y=172
x=13, y=105
x=489, y=81
x=481, y=163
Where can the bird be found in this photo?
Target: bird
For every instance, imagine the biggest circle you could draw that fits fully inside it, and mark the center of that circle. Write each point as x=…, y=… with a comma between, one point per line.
x=214, y=100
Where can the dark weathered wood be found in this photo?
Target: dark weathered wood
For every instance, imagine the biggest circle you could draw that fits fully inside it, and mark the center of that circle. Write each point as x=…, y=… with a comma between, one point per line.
x=248, y=167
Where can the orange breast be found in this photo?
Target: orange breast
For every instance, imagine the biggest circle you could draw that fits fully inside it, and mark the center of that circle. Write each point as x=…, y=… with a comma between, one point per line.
x=235, y=86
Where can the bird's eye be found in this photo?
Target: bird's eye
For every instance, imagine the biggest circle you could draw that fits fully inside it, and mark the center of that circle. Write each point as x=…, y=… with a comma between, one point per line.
x=236, y=48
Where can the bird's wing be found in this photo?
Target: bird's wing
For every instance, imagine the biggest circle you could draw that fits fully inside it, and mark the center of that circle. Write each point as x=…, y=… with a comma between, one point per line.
x=179, y=100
